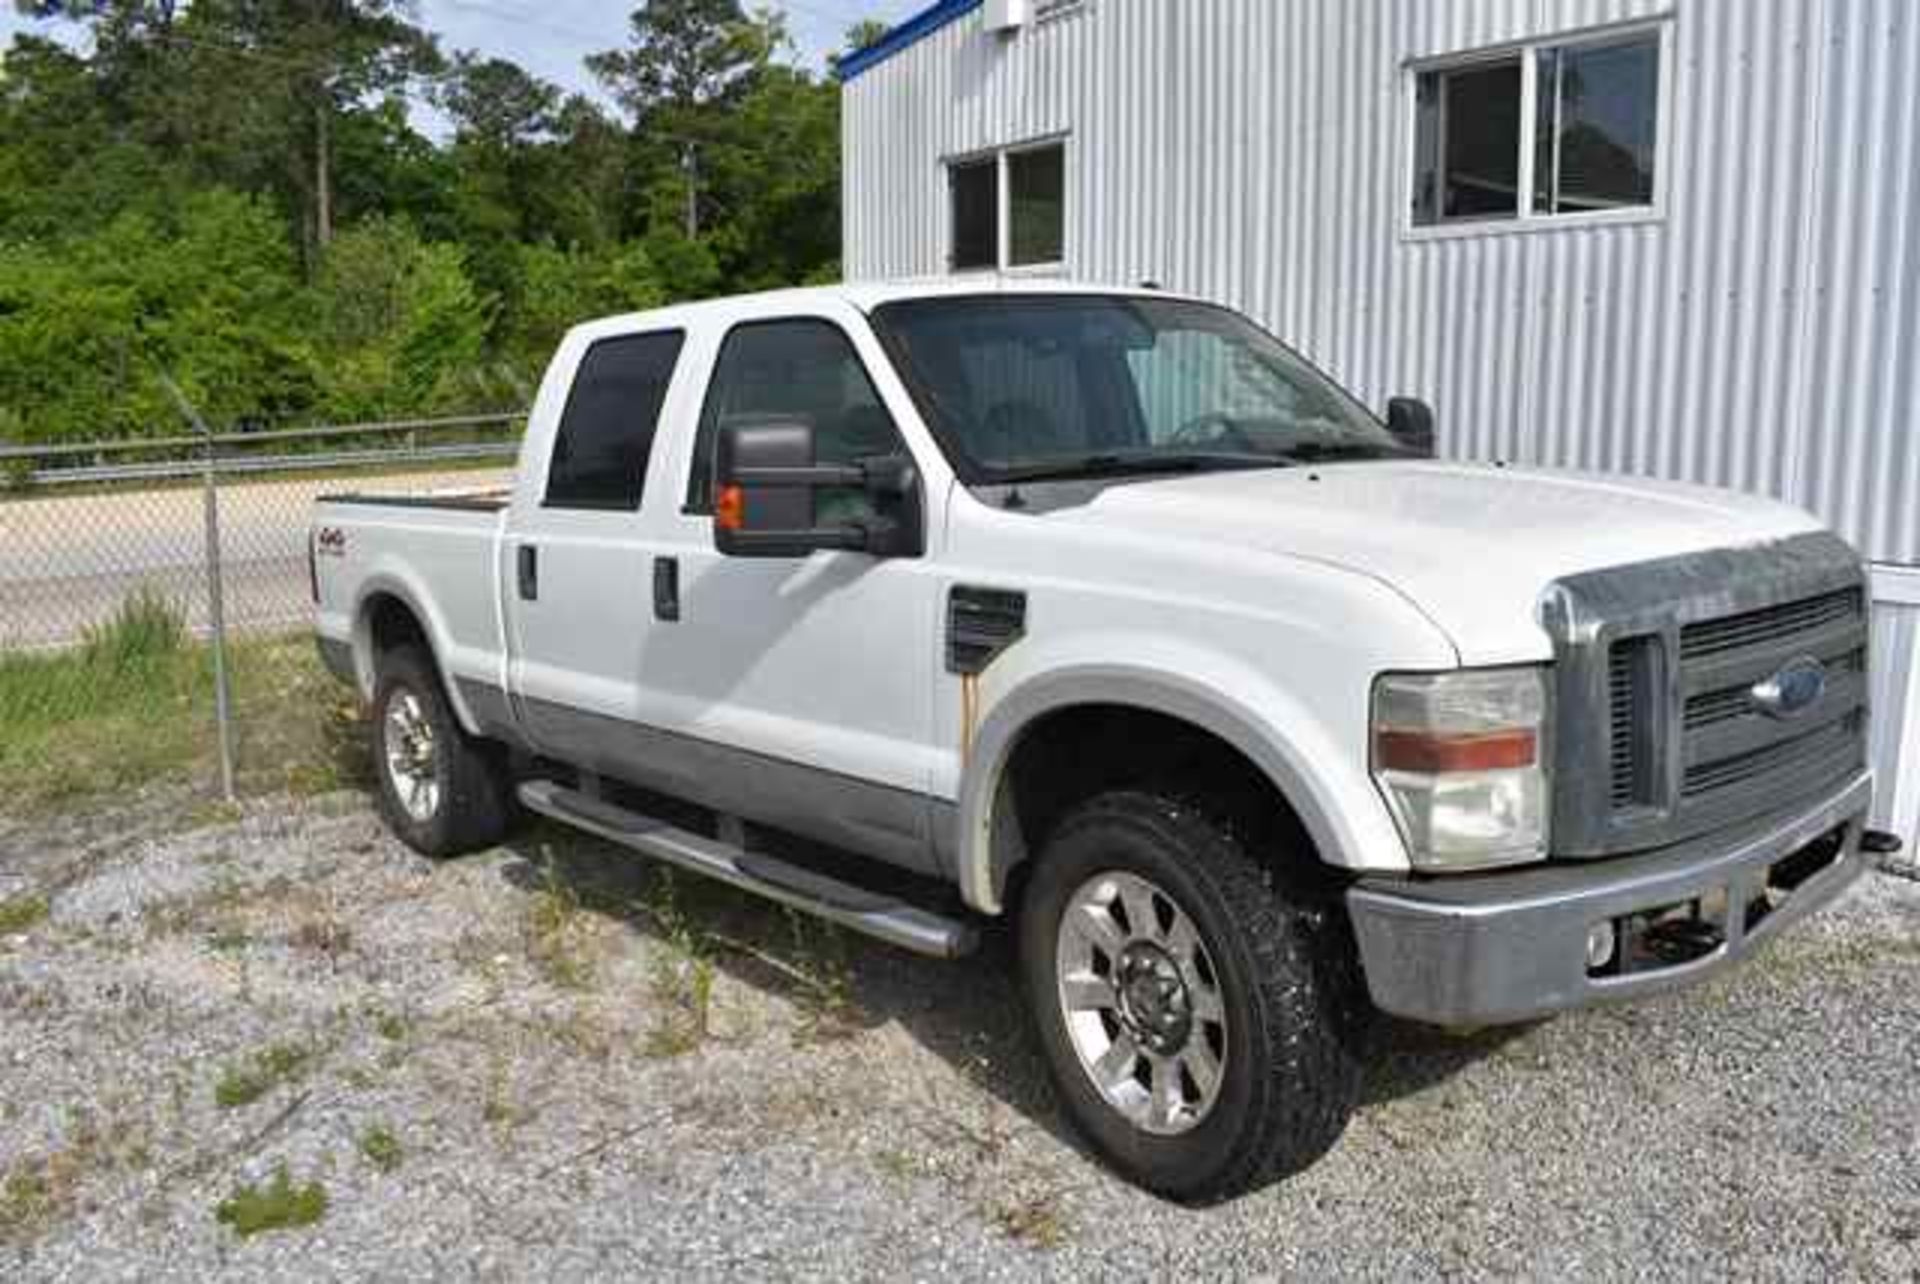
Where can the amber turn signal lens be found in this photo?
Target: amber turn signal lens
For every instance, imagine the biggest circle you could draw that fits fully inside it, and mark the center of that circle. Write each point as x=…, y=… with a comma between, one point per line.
x=1431, y=752
x=730, y=508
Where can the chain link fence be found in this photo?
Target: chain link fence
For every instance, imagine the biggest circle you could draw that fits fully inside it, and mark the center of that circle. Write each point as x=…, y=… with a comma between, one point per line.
x=155, y=601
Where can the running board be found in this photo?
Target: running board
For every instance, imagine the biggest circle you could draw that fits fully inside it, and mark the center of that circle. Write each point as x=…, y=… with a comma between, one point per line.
x=872, y=913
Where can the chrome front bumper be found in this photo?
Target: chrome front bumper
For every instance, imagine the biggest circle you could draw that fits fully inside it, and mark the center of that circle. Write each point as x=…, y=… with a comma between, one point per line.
x=1488, y=949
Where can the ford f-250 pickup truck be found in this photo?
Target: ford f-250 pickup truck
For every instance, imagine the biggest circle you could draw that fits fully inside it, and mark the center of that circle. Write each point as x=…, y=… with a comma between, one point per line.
x=1105, y=612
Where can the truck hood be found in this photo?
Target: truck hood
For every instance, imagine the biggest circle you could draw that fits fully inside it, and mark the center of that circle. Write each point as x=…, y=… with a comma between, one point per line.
x=1472, y=546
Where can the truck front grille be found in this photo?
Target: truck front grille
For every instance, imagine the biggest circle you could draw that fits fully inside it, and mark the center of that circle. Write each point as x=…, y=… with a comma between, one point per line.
x=1779, y=623
x=1629, y=707
x=1660, y=669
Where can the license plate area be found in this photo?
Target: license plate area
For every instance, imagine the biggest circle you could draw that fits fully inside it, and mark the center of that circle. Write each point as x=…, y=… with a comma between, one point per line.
x=1684, y=932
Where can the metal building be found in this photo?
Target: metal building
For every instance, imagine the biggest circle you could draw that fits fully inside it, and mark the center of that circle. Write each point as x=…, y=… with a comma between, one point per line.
x=1671, y=237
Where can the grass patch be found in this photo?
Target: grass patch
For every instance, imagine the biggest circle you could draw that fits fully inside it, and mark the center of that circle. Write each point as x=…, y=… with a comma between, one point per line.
x=35, y=1191
x=26, y=1202
x=279, y=1205
x=381, y=1148
x=266, y=1070
x=682, y=980
x=1036, y=1220
x=552, y=929
x=22, y=913
x=133, y=704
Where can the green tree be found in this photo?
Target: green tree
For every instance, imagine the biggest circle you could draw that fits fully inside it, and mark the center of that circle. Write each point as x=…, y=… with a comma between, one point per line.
x=209, y=297
x=864, y=34
x=401, y=327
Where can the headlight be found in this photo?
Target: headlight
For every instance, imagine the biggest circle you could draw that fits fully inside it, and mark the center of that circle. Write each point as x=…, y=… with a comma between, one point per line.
x=1461, y=760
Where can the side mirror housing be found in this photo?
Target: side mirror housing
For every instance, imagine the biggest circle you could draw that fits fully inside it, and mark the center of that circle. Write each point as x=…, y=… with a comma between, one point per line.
x=766, y=484
x=1410, y=420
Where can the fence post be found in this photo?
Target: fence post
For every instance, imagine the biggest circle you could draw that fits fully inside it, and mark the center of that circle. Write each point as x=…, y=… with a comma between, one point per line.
x=216, y=604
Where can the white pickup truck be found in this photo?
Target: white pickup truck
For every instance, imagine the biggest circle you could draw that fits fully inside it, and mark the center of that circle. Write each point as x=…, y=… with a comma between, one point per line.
x=917, y=605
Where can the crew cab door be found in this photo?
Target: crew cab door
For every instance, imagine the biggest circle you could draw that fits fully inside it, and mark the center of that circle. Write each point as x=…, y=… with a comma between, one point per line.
x=576, y=567
x=811, y=678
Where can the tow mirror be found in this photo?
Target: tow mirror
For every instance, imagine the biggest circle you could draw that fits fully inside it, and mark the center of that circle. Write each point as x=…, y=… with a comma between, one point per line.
x=1410, y=420
x=768, y=487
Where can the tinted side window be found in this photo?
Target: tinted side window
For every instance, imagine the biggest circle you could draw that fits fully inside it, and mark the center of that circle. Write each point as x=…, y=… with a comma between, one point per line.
x=606, y=432
x=801, y=369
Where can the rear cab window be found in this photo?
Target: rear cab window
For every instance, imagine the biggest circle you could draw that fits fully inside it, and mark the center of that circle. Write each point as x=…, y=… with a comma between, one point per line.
x=606, y=431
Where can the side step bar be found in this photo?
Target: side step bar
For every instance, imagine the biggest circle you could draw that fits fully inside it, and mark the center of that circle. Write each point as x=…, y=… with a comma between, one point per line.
x=892, y=920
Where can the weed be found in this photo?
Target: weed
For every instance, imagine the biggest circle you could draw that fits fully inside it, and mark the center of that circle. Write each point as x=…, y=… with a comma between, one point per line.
x=899, y=1164
x=263, y=1072
x=552, y=927
x=33, y=1191
x=381, y=1147
x=323, y=934
x=26, y=1201
x=147, y=630
x=682, y=979
x=1036, y=1219
x=391, y=1027
x=825, y=980
x=279, y=1205
x=22, y=913
x=228, y=938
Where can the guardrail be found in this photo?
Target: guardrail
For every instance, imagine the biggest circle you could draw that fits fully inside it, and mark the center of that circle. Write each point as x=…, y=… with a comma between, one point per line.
x=227, y=452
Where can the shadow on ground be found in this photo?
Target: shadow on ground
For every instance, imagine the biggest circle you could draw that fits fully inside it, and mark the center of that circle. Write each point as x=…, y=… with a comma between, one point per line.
x=969, y=1014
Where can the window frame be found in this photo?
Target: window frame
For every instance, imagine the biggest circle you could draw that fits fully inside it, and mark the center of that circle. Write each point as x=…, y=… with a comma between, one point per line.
x=1525, y=218
x=547, y=501
x=692, y=507
x=1003, y=207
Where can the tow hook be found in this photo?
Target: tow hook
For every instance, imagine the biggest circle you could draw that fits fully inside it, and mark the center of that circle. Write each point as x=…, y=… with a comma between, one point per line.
x=1681, y=940
x=1878, y=842
x=1887, y=846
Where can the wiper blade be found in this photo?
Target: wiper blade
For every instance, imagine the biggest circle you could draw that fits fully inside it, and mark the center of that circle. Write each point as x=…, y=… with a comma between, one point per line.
x=1322, y=452
x=1139, y=464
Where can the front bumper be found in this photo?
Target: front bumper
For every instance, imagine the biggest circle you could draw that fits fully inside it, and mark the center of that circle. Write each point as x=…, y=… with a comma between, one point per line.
x=1488, y=949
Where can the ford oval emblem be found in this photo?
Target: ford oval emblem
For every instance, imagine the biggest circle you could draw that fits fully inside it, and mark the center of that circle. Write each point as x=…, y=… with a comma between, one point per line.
x=1790, y=690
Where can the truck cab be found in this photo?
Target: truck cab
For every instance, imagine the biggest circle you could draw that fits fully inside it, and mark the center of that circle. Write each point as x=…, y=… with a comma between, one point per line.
x=1105, y=612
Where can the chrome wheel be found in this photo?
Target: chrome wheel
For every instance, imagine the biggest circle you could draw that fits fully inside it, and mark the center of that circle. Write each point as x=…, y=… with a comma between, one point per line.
x=413, y=765
x=1142, y=1002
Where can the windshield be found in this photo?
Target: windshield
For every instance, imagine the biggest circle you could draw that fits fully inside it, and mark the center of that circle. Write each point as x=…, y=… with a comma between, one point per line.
x=1061, y=386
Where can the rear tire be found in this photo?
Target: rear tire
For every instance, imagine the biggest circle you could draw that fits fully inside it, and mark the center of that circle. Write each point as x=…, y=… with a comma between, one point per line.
x=1214, y=1048
x=442, y=792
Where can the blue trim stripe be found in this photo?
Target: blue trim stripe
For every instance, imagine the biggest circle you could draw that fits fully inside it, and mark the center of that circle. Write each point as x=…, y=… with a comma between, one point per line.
x=909, y=33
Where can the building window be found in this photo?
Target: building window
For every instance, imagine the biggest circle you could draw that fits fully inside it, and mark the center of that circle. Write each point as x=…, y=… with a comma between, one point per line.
x=1037, y=201
x=1009, y=209
x=1561, y=128
x=976, y=214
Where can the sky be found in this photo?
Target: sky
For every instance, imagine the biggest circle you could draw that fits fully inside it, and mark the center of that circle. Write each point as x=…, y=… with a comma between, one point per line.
x=550, y=37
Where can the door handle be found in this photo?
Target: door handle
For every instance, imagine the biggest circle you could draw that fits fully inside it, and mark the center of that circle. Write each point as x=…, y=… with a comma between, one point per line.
x=666, y=588
x=529, y=567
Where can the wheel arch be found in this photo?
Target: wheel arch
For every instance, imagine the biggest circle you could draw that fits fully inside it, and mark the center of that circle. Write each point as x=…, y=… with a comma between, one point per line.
x=995, y=840
x=386, y=614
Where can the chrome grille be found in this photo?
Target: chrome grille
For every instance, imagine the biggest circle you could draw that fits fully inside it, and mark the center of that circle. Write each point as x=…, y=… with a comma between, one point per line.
x=1827, y=751
x=1768, y=624
x=1659, y=735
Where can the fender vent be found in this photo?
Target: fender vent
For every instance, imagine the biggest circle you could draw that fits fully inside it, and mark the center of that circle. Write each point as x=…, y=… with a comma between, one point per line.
x=981, y=623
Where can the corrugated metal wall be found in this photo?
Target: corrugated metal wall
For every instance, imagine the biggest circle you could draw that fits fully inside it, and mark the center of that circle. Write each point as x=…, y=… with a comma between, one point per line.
x=1896, y=715
x=1765, y=334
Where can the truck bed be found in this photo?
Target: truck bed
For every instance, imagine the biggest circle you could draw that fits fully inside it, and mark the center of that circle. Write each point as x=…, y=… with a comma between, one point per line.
x=474, y=501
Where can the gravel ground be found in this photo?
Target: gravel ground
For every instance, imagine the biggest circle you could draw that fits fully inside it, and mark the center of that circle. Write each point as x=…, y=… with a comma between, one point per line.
x=553, y=1061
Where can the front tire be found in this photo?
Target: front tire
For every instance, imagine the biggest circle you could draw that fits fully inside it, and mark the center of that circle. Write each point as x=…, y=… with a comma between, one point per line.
x=1199, y=1018
x=442, y=792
